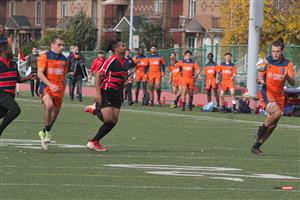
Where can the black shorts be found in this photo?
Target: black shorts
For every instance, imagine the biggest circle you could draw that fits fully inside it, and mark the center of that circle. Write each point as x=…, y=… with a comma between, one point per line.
x=111, y=98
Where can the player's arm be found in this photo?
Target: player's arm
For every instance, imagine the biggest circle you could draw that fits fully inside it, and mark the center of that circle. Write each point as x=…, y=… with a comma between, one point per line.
x=163, y=66
x=218, y=70
x=233, y=72
x=170, y=76
x=290, y=77
x=42, y=62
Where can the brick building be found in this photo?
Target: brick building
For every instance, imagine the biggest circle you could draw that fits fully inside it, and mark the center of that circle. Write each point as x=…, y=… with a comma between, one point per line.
x=189, y=23
x=27, y=20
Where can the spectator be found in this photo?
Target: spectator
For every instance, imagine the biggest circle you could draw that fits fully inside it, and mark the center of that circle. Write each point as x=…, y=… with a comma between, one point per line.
x=32, y=64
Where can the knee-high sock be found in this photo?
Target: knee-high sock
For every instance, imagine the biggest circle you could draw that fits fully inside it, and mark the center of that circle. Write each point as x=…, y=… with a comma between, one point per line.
x=103, y=130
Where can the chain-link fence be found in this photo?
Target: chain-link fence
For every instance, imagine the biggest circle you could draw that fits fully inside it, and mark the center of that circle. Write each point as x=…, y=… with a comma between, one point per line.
x=239, y=56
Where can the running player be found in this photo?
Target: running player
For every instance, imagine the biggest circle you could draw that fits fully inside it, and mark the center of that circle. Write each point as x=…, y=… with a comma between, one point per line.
x=140, y=76
x=155, y=71
x=52, y=70
x=175, y=79
x=210, y=72
x=109, y=84
x=278, y=70
x=9, y=76
x=188, y=67
x=227, y=69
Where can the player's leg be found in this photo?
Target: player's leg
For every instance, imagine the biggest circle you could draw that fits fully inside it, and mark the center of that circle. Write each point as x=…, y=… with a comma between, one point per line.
x=158, y=90
x=184, y=93
x=144, y=85
x=32, y=87
x=137, y=91
x=208, y=93
x=151, y=88
x=217, y=96
x=9, y=110
x=79, y=87
x=264, y=131
x=233, y=99
x=222, y=99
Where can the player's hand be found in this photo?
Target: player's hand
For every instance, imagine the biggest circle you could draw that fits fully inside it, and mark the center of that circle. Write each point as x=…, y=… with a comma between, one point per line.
x=199, y=77
x=54, y=88
x=163, y=74
x=169, y=81
x=31, y=76
x=260, y=81
x=217, y=81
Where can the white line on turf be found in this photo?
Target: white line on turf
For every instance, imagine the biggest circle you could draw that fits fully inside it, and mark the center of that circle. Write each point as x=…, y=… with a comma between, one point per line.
x=158, y=113
x=142, y=187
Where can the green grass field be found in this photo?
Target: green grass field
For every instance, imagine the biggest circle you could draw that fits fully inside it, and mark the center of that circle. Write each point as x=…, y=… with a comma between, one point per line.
x=154, y=153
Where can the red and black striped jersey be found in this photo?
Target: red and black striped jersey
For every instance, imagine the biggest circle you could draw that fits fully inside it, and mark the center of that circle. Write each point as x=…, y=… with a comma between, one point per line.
x=114, y=73
x=9, y=76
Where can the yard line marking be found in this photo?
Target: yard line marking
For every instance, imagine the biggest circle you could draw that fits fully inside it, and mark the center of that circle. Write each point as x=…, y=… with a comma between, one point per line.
x=143, y=187
x=158, y=113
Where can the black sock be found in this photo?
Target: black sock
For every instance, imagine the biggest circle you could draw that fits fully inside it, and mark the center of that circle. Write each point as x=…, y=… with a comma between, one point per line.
x=47, y=128
x=234, y=106
x=103, y=130
x=257, y=145
x=190, y=104
x=183, y=104
x=175, y=102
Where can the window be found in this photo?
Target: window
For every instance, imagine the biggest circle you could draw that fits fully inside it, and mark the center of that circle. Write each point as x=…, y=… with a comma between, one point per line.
x=63, y=9
x=192, y=9
x=38, y=13
x=158, y=4
x=94, y=12
x=191, y=42
x=12, y=8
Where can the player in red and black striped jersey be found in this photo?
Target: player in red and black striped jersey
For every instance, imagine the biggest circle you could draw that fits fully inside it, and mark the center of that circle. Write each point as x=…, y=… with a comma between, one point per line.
x=109, y=83
x=9, y=76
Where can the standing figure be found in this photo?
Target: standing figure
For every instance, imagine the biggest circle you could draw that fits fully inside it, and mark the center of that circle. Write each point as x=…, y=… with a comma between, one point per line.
x=32, y=63
x=210, y=72
x=188, y=67
x=227, y=70
x=155, y=72
x=140, y=75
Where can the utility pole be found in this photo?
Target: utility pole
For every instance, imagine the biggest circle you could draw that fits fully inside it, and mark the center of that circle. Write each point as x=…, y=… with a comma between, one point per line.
x=131, y=25
x=256, y=14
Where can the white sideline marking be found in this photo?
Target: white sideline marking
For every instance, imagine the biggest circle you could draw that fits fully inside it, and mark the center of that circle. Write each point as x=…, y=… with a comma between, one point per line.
x=223, y=173
x=157, y=113
x=142, y=187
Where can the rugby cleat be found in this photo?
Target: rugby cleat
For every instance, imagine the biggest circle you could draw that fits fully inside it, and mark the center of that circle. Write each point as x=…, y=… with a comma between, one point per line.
x=256, y=150
x=173, y=106
x=47, y=138
x=44, y=145
x=96, y=146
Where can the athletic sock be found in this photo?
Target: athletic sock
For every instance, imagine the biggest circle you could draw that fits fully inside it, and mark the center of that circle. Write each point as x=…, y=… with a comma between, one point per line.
x=47, y=128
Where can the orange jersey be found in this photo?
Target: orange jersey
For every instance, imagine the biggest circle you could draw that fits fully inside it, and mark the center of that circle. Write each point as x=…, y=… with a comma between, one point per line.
x=55, y=68
x=227, y=71
x=155, y=62
x=174, y=70
x=275, y=75
x=187, y=68
x=210, y=70
x=141, y=62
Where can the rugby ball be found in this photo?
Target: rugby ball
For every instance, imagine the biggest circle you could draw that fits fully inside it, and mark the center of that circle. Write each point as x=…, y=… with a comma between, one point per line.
x=261, y=65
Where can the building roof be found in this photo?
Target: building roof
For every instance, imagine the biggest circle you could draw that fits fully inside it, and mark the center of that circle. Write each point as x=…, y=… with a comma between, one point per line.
x=18, y=22
x=124, y=24
x=194, y=27
x=62, y=23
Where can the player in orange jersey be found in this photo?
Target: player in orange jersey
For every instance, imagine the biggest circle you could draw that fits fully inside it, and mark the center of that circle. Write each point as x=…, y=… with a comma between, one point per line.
x=155, y=71
x=188, y=67
x=141, y=62
x=227, y=70
x=278, y=70
x=210, y=72
x=52, y=70
x=174, y=78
